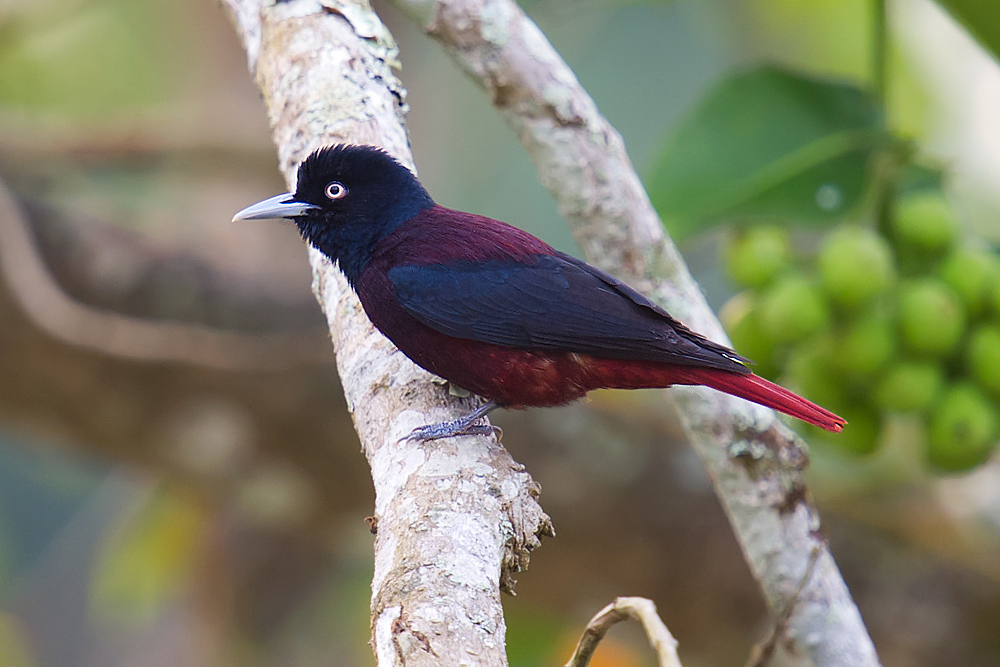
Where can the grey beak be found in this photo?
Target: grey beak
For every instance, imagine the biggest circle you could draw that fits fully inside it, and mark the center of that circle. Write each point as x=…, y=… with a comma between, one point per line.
x=279, y=206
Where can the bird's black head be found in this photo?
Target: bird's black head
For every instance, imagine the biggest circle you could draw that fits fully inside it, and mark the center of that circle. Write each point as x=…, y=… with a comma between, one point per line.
x=347, y=198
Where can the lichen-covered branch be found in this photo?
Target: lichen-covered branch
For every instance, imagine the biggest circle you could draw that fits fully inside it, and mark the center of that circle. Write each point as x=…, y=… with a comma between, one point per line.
x=755, y=463
x=453, y=518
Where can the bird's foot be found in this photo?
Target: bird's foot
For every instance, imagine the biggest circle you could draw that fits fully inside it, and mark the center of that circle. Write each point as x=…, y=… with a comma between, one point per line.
x=449, y=429
x=467, y=425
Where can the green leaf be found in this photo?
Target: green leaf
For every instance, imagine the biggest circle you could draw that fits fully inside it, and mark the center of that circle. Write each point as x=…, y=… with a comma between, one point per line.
x=15, y=644
x=914, y=178
x=88, y=59
x=981, y=18
x=147, y=560
x=766, y=143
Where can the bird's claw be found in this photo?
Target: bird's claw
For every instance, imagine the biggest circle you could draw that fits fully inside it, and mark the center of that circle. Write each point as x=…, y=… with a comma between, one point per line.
x=452, y=428
x=470, y=424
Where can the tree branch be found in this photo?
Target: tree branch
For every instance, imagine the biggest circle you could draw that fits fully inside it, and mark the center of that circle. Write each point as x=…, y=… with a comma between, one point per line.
x=755, y=463
x=138, y=338
x=454, y=518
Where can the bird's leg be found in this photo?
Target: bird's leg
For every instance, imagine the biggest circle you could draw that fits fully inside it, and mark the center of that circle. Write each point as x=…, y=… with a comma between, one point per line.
x=462, y=426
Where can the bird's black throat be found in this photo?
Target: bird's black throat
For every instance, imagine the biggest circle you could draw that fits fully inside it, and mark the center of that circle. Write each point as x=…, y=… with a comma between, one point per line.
x=351, y=243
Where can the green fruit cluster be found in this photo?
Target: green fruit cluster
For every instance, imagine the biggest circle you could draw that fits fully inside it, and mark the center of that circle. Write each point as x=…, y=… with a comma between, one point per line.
x=874, y=324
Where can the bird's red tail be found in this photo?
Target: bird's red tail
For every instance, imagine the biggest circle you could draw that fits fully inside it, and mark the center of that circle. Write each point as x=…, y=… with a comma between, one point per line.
x=757, y=389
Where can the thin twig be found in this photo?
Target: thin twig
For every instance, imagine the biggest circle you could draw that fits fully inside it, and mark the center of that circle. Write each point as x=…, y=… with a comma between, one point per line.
x=622, y=609
x=762, y=652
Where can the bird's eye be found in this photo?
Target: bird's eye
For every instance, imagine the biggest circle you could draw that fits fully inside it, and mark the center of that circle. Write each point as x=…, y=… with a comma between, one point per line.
x=335, y=190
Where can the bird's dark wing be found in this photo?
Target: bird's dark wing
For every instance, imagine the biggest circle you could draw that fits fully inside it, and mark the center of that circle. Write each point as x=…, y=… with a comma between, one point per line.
x=551, y=303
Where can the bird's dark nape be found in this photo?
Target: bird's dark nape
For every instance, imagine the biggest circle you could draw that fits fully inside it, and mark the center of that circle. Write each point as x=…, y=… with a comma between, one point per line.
x=495, y=310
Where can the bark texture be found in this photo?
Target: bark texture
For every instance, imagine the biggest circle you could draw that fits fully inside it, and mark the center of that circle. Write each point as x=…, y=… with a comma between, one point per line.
x=755, y=462
x=454, y=518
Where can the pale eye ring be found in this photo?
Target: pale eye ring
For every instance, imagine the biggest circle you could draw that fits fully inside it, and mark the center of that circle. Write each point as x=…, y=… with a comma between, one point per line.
x=335, y=190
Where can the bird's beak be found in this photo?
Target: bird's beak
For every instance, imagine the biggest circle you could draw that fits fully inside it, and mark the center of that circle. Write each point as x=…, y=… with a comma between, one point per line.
x=280, y=206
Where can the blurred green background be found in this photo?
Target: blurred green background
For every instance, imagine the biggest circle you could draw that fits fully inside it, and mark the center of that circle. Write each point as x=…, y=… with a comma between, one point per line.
x=210, y=511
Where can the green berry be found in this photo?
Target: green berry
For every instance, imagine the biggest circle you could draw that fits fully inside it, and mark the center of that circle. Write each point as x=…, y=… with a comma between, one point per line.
x=982, y=357
x=993, y=298
x=973, y=274
x=792, y=309
x=925, y=221
x=864, y=346
x=753, y=257
x=962, y=429
x=931, y=318
x=811, y=372
x=855, y=266
x=861, y=435
x=741, y=318
x=910, y=386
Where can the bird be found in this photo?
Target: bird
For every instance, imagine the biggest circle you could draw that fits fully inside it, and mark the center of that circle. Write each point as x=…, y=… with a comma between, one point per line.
x=491, y=308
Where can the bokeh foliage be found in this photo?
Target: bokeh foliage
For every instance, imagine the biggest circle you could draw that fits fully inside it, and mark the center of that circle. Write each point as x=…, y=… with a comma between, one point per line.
x=756, y=120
